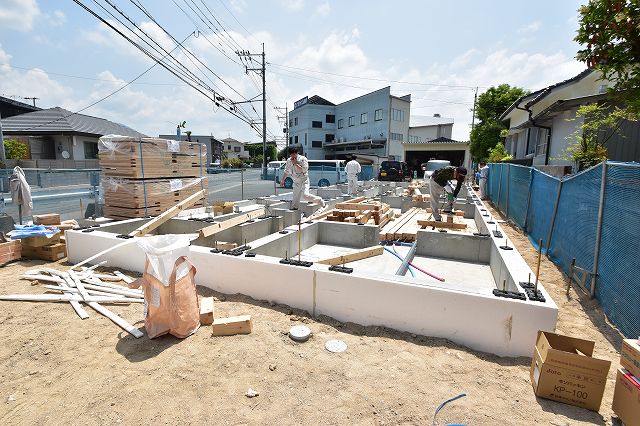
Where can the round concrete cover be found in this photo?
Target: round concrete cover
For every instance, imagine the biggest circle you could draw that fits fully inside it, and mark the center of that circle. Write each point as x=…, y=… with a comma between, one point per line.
x=299, y=333
x=335, y=346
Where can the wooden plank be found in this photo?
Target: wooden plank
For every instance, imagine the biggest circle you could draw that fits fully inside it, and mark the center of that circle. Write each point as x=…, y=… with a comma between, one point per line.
x=232, y=325
x=238, y=220
x=206, y=310
x=74, y=304
x=352, y=257
x=123, y=277
x=357, y=206
x=428, y=223
x=173, y=211
x=116, y=319
x=67, y=298
x=103, y=252
x=46, y=219
x=356, y=200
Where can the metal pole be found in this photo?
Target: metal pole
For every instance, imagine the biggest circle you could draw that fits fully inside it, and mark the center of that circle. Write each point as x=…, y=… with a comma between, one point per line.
x=3, y=155
x=264, y=116
x=526, y=215
x=553, y=218
x=408, y=258
x=499, y=188
x=242, y=184
x=596, y=250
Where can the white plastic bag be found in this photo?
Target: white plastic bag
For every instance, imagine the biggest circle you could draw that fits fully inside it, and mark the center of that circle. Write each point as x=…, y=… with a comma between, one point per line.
x=162, y=252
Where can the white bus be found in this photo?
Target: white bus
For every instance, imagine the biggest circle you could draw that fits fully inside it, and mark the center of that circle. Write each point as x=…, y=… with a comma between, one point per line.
x=321, y=173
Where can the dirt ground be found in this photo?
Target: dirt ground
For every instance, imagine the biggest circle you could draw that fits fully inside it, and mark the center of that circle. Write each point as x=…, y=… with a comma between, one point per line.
x=58, y=369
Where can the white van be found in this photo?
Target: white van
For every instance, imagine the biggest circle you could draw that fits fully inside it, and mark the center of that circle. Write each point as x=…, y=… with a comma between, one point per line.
x=272, y=167
x=321, y=173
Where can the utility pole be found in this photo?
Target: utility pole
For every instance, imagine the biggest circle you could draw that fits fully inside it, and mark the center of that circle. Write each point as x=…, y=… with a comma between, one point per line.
x=3, y=155
x=473, y=117
x=285, y=130
x=262, y=72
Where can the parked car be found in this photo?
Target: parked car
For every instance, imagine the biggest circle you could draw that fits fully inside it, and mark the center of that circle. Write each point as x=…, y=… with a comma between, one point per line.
x=432, y=165
x=394, y=170
x=272, y=167
x=322, y=173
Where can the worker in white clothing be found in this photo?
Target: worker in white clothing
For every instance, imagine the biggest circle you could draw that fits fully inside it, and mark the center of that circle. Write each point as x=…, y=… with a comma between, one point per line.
x=352, y=169
x=484, y=176
x=297, y=167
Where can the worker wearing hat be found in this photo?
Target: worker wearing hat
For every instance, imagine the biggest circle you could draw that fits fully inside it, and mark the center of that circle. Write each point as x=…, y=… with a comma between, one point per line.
x=439, y=183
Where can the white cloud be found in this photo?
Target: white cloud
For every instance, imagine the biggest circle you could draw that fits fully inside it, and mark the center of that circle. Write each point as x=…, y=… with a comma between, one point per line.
x=57, y=18
x=530, y=28
x=34, y=82
x=324, y=9
x=18, y=14
x=238, y=5
x=292, y=4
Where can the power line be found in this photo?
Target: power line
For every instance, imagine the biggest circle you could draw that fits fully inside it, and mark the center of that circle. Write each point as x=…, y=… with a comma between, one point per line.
x=377, y=79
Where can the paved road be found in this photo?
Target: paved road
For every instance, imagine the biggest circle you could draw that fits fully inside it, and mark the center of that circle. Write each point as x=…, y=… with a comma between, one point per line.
x=241, y=185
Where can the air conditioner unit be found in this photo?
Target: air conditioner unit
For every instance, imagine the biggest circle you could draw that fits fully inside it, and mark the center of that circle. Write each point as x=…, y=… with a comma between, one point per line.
x=341, y=139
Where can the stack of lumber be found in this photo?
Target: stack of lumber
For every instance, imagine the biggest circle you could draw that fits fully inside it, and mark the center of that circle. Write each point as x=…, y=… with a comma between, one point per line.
x=418, y=191
x=405, y=227
x=10, y=250
x=53, y=219
x=85, y=286
x=51, y=248
x=222, y=207
x=147, y=176
x=360, y=210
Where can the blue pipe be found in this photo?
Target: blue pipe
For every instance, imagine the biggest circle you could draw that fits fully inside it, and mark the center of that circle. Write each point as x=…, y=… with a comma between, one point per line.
x=402, y=260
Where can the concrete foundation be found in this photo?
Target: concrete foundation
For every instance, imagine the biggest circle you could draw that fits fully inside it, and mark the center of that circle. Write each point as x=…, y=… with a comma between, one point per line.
x=463, y=308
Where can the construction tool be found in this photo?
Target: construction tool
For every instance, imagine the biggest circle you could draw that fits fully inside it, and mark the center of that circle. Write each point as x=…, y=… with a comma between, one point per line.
x=538, y=267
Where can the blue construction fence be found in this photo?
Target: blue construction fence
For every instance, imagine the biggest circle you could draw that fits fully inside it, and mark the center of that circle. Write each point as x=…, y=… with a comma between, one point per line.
x=592, y=217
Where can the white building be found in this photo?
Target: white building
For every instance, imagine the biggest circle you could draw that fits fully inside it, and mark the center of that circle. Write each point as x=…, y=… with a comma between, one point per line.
x=375, y=127
x=232, y=148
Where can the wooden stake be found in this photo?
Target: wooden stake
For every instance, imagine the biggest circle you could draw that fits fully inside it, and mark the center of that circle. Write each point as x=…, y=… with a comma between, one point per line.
x=352, y=257
x=538, y=266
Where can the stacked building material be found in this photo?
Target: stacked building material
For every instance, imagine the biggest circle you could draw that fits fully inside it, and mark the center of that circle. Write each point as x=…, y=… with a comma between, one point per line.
x=360, y=210
x=143, y=177
x=44, y=247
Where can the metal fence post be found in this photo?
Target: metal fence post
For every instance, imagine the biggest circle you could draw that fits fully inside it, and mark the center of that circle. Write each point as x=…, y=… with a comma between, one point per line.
x=553, y=218
x=596, y=250
x=508, y=186
x=242, y=184
x=499, y=188
x=526, y=214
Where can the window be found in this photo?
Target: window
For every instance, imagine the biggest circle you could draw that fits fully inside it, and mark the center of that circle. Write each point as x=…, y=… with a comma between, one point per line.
x=531, y=140
x=396, y=136
x=397, y=114
x=90, y=150
x=296, y=140
x=330, y=118
x=236, y=149
x=363, y=118
x=316, y=124
x=228, y=147
x=352, y=120
x=377, y=115
x=305, y=139
x=295, y=121
x=329, y=137
x=290, y=140
x=541, y=143
x=291, y=122
x=341, y=123
x=415, y=139
x=316, y=144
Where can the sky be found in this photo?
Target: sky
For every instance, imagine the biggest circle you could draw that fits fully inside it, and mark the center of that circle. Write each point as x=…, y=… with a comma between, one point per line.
x=438, y=52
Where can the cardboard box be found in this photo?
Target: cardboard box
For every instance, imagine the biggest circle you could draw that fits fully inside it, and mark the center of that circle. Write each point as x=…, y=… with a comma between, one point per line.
x=626, y=399
x=630, y=356
x=11, y=250
x=51, y=253
x=46, y=219
x=40, y=240
x=564, y=370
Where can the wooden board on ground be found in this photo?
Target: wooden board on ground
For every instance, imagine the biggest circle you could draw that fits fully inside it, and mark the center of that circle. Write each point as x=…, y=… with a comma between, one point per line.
x=206, y=310
x=10, y=250
x=352, y=257
x=46, y=219
x=433, y=223
x=232, y=325
x=51, y=252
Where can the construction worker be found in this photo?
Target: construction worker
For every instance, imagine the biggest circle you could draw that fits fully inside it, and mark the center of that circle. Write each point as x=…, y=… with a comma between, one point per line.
x=297, y=167
x=484, y=175
x=352, y=169
x=439, y=184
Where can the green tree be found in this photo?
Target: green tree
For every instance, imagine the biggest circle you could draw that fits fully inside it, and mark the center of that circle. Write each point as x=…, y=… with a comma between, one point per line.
x=498, y=153
x=609, y=32
x=15, y=150
x=489, y=106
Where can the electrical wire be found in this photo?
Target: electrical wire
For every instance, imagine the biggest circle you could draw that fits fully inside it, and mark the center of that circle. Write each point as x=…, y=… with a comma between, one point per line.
x=402, y=260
